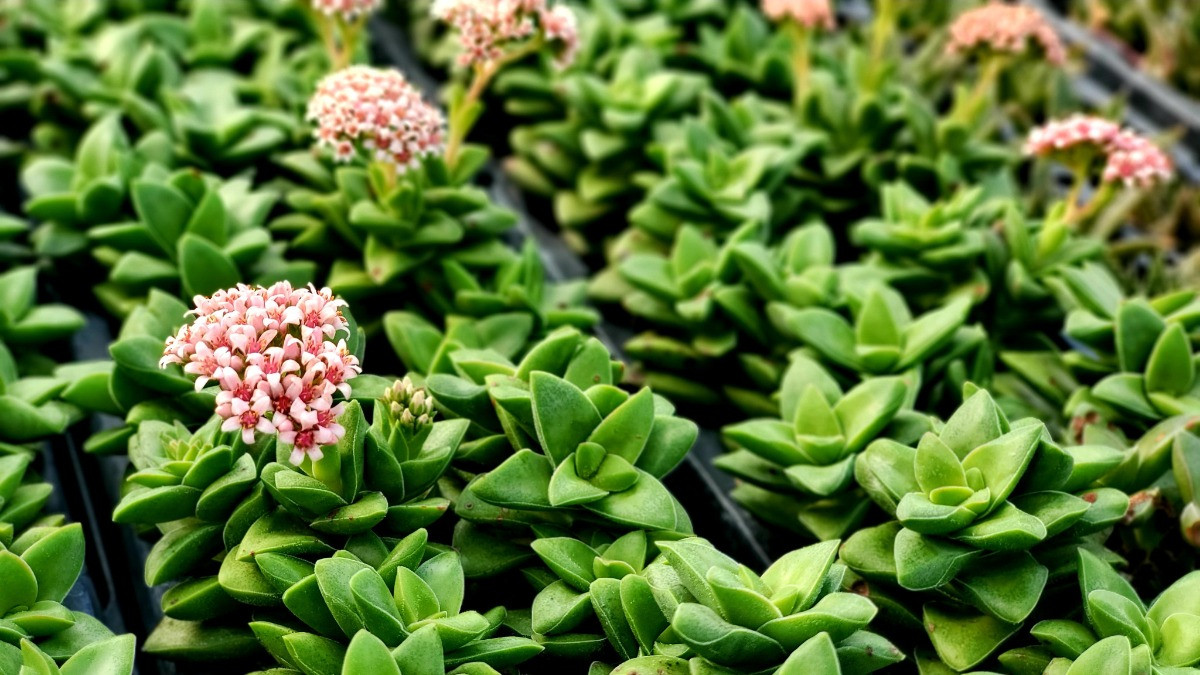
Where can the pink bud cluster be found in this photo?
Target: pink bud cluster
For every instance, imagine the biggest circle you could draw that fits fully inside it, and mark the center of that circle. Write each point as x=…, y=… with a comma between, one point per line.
x=272, y=352
x=1005, y=28
x=349, y=10
x=379, y=111
x=486, y=28
x=807, y=13
x=1129, y=157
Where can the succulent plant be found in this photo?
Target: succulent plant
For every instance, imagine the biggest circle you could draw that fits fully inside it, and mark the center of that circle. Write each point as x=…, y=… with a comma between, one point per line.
x=28, y=393
x=985, y=510
x=401, y=613
x=884, y=338
x=213, y=495
x=1119, y=629
x=947, y=237
x=152, y=227
x=41, y=556
x=573, y=611
x=720, y=616
x=589, y=161
x=799, y=469
x=1142, y=352
x=581, y=445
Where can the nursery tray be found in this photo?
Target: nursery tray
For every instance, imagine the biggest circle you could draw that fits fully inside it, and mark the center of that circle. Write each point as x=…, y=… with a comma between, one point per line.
x=702, y=490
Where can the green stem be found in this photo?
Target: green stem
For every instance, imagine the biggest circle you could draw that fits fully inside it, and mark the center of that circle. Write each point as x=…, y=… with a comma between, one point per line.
x=983, y=91
x=1080, y=180
x=461, y=118
x=1085, y=215
x=801, y=60
x=882, y=29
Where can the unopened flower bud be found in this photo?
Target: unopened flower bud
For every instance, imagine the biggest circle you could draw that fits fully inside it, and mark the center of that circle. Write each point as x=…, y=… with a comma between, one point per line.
x=1189, y=524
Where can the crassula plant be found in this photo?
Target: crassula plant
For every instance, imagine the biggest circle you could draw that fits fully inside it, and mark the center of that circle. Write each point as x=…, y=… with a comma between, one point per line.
x=282, y=477
x=1119, y=630
x=28, y=394
x=986, y=510
x=1137, y=352
x=883, y=338
x=703, y=612
x=579, y=444
x=799, y=468
x=41, y=557
x=399, y=614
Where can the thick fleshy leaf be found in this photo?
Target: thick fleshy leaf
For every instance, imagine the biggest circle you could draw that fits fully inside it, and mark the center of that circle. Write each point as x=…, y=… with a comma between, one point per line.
x=817, y=655
x=558, y=608
x=421, y=653
x=647, y=505
x=924, y=563
x=796, y=578
x=569, y=558
x=1114, y=614
x=962, y=638
x=721, y=642
x=1007, y=587
x=838, y=615
x=522, y=482
x=56, y=561
x=1006, y=529
x=1110, y=656
x=563, y=416
x=368, y=654
x=107, y=657
x=1003, y=460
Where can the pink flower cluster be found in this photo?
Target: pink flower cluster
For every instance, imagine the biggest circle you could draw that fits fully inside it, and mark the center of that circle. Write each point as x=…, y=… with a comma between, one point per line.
x=1130, y=157
x=1134, y=160
x=349, y=10
x=487, y=27
x=1006, y=28
x=807, y=13
x=272, y=352
x=379, y=111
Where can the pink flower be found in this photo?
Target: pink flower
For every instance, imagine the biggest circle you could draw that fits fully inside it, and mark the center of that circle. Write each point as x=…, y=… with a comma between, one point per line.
x=377, y=111
x=349, y=10
x=807, y=13
x=1074, y=131
x=486, y=28
x=1134, y=160
x=1129, y=157
x=272, y=353
x=1005, y=28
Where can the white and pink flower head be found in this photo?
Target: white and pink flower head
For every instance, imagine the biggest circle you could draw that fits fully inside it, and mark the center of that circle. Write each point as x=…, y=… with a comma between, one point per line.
x=348, y=10
x=807, y=13
x=1129, y=157
x=376, y=111
x=273, y=353
x=1137, y=162
x=487, y=28
x=1078, y=131
x=1005, y=28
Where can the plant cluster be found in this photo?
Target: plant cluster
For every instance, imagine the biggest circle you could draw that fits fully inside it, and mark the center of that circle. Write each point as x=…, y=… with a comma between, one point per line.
x=370, y=428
